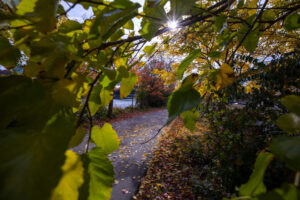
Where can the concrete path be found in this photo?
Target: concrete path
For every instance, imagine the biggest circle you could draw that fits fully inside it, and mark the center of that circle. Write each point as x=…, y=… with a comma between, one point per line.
x=130, y=161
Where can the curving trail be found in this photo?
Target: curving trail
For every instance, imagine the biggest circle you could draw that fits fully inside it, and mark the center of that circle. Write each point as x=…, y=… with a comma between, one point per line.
x=130, y=161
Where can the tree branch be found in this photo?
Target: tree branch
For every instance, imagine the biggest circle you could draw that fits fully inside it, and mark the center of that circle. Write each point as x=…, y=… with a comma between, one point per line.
x=158, y=131
x=249, y=30
x=70, y=8
x=281, y=18
x=189, y=21
x=86, y=102
x=90, y=129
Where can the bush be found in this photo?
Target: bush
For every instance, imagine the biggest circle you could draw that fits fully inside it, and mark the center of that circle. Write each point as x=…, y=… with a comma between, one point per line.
x=239, y=133
x=151, y=91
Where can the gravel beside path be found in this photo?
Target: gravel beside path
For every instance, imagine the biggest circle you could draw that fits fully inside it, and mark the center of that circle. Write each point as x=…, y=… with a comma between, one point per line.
x=130, y=161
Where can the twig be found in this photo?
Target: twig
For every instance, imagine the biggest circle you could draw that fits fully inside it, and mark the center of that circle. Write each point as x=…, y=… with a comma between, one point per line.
x=248, y=31
x=137, y=51
x=85, y=105
x=69, y=68
x=87, y=97
x=282, y=17
x=70, y=8
x=189, y=21
x=15, y=27
x=154, y=135
x=90, y=129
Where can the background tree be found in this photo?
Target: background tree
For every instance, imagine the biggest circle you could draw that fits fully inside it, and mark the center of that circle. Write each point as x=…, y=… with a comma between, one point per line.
x=151, y=89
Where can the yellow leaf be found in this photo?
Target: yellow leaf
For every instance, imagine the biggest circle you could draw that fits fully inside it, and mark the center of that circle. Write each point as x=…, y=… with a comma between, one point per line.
x=106, y=138
x=120, y=62
x=71, y=180
x=86, y=46
x=251, y=85
x=87, y=27
x=252, y=4
x=225, y=68
x=225, y=77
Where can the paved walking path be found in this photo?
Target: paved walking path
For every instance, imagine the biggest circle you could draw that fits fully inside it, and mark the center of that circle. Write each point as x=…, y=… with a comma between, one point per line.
x=131, y=158
x=130, y=161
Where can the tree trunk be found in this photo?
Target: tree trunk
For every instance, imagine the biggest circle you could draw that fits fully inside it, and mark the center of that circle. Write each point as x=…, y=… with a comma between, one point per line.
x=110, y=109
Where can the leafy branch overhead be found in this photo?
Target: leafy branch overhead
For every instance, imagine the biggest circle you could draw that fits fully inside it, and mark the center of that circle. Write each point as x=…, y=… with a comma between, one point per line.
x=62, y=70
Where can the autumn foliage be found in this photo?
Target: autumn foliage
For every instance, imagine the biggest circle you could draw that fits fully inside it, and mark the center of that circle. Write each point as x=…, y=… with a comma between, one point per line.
x=151, y=90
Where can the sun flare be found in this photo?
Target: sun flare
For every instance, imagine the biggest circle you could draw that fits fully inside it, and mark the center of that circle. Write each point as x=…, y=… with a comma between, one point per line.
x=172, y=24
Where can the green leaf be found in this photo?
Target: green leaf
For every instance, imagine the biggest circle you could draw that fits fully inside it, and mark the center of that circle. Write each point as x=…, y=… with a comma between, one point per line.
x=127, y=85
x=86, y=5
x=31, y=159
x=179, y=7
x=182, y=100
x=189, y=82
x=95, y=101
x=9, y=55
x=286, y=149
x=72, y=179
x=219, y=22
x=290, y=123
x=190, y=118
x=65, y=91
x=149, y=49
x=214, y=54
x=26, y=6
x=251, y=40
x=153, y=3
x=269, y=15
x=151, y=24
x=129, y=25
x=123, y=72
x=122, y=4
x=23, y=99
x=106, y=96
x=43, y=11
x=255, y=185
x=292, y=22
x=99, y=176
x=106, y=93
x=286, y=192
x=78, y=137
x=240, y=4
x=117, y=35
x=225, y=38
x=292, y=103
x=33, y=69
x=60, y=9
x=53, y=52
x=107, y=24
x=111, y=73
x=106, y=138
x=69, y=26
x=185, y=63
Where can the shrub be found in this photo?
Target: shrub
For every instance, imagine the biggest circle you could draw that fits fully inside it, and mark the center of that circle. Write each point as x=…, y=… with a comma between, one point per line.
x=151, y=91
